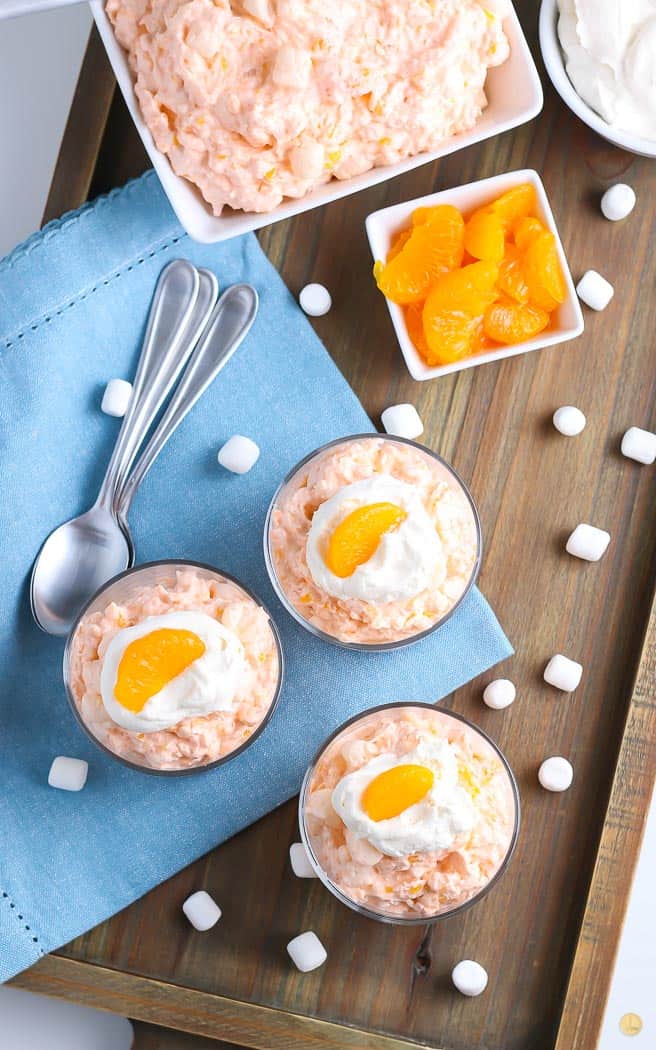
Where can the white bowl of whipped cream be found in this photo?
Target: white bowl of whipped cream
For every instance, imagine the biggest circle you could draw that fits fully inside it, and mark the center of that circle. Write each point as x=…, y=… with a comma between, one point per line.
x=601, y=58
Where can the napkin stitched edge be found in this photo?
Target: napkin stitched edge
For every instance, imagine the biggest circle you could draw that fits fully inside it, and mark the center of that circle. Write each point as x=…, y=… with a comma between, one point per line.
x=41, y=237
x=136, y=260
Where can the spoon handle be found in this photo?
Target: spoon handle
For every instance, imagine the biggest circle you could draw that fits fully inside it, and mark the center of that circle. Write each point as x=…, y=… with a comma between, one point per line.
x=229, y=324
x=166, y=346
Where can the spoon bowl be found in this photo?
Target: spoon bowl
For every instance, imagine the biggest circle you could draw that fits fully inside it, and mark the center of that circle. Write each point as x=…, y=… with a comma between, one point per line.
x=75, y=560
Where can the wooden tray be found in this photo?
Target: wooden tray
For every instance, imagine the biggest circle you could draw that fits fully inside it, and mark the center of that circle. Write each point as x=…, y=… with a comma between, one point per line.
x=547, y=934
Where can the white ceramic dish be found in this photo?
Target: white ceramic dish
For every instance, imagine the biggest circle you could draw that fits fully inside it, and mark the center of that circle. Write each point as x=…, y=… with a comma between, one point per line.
x=514, y=96
x=567, y=320
x=552, y=55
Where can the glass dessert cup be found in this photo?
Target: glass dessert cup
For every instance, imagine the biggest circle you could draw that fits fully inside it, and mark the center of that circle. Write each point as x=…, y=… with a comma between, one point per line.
x=441, y=472
x=128, y=586
x=362, y=728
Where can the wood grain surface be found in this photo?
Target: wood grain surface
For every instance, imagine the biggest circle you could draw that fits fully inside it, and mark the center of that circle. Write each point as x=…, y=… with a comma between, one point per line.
x=532, y=487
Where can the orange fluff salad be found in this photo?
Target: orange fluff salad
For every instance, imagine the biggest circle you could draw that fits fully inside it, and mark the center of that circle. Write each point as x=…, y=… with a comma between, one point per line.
x=409, y=812
x=470, y=283
x=255, y=101
x=179, y=676
x=372, y=541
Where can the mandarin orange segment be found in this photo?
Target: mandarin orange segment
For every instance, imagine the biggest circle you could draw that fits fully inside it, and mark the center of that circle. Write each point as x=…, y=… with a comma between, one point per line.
x=514, y=204
x=420, y=215
x=449, y=336
x=480, y=340
x=544, y=277
x=484, y=235
x=355, y=540
x=470, y=289
x=397, y=243
x=453, y=311
x=511, y=278
x=395, y=790
x=150, y=662
x=525, y=229
x=432, y=248
x=510, y=322
x=442, y=214
x=415, y=325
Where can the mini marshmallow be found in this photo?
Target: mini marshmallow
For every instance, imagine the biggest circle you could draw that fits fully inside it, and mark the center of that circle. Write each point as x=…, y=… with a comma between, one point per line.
x=402, y=421
x=499, y=694
x=618, y=201
x=307, y=952
x=300, y=861
x=315, y=300
x=563, y=673
x=555, y=774
x=587, y=542
x=69, y=774
x=202, y=911
x=116, y=397
x=239, y=454
x=594, y=290
x=569, y=420
x=639, y=445
x=469, y=977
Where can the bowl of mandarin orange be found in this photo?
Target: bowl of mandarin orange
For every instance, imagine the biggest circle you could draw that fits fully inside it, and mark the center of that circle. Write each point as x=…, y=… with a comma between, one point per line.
x=474, y=274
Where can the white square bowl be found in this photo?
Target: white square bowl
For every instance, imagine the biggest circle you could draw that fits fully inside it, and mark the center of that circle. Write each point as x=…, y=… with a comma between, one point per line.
x=566, y=321
x=514, y=96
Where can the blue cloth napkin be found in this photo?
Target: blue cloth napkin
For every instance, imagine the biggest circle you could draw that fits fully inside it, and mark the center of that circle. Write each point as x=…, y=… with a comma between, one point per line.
x=73, y=301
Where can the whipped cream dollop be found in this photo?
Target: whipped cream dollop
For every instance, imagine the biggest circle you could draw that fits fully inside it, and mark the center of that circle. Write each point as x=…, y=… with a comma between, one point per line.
x=208, y=684
x=408, y=559
x=431, y=825
x=610, y=49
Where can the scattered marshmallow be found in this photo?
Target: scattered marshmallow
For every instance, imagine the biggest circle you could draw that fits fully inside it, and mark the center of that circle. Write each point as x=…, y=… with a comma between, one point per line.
x=555, y=774
x=569, y=420
x=69, y=774
x=594, y=290
x=116, y=397
x=315, y=300
x=499, y=694
x=300, y=861
x=239, y=454
x=202, y=911
x=402, y=421
x=639, y=445
x=588, y=542
x=618, y=201
x=307, y=952
x=469, y=977
x=563, y=673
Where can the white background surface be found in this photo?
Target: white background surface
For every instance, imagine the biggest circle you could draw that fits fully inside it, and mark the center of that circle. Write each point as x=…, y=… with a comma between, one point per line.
x=40, y=58
x=32, y=1022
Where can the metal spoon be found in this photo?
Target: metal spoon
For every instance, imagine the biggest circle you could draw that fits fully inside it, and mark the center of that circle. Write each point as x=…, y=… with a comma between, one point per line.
x=82, y=554
x=228, y=326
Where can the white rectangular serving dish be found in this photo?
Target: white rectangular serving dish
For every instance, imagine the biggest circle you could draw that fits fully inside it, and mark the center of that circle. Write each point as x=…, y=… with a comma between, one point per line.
x=384, y=224
x=514, y=96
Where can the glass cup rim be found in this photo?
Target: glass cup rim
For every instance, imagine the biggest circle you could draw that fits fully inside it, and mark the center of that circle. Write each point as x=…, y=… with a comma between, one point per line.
x=370, y=647
x=191, y=770
x=397, y=920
